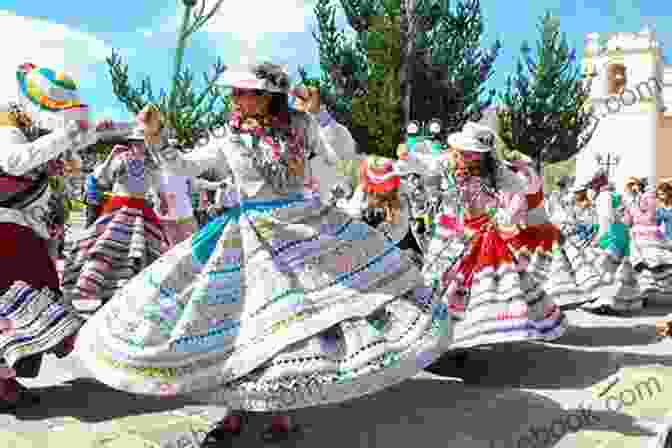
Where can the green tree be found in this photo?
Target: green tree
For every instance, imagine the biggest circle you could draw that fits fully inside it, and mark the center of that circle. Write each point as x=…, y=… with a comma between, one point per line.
x=440, y=67
x=546, y=112
x=188, y=108
x=380, y=110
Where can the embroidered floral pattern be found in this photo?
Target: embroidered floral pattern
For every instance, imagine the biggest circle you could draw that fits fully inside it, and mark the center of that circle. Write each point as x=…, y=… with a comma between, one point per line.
x=278, y=149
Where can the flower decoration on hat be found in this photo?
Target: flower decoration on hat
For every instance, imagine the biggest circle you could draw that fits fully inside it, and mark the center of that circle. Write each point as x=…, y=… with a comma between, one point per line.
x=473, y=138
x=378, y=175
x=266, y=77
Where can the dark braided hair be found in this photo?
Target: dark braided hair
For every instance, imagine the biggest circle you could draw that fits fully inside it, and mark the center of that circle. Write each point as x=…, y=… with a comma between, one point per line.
x=489, y=168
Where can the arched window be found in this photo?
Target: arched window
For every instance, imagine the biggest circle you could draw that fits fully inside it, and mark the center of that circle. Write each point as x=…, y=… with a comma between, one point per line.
x=616, y=74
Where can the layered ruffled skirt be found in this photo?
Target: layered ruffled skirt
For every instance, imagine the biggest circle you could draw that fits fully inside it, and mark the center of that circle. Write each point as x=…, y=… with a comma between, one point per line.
x=33, y=319
x=604, y=271
x=275, y=305
x=652, y=260
x=125, y=239
x=495, y=283
x=33, y=322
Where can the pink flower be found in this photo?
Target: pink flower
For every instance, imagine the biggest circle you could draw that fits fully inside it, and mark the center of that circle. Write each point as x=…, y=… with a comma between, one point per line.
x=312, y=184
x=450, y=222
x=7, y=327
x=168, y=390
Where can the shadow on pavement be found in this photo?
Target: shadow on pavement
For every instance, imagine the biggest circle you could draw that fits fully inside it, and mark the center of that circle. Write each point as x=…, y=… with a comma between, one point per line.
x=398, y=417
x=538, y=366
x=427, y=409
x=656, y=308
x=609, y=336
x=91, y=402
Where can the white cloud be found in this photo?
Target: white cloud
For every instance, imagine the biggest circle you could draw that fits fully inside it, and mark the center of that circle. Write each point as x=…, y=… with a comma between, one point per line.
x=46, y=44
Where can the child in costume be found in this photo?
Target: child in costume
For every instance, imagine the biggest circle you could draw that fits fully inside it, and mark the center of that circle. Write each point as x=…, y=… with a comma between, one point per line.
x=175, y=205
x=283, y=302
x=664, y=209
x=45, y=121
x=579, y=224
x=380, y=201
x=127, y=236
x=421, y=157
x=618, y=290
x=558, y=280
x=651, y=252
x=484, y=261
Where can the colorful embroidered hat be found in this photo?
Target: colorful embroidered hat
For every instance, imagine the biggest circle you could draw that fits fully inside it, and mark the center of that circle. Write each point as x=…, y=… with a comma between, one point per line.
x=473, y=138
x=378, y=175
x=268, y=77
x=49, y=97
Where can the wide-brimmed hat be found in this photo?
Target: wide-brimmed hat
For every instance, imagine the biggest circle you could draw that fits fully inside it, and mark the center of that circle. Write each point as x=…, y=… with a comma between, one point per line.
x=379, y=175
x=268, y=77
x=49, y=97
x=474, y=137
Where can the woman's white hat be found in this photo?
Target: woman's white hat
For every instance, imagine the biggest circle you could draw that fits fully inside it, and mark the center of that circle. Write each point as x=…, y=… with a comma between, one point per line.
x=268, y=77
x=474, y=137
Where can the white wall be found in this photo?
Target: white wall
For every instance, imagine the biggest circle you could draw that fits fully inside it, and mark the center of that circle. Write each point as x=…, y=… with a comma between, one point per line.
x=630, y=135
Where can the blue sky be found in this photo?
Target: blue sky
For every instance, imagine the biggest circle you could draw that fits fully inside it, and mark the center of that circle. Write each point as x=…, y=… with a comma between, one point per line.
x=77, y=35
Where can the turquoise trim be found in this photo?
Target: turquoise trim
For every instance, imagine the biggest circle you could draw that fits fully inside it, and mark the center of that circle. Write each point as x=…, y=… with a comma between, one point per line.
x=204, y=242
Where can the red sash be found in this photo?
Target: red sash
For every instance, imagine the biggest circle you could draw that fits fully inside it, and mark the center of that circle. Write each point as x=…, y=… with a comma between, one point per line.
x=116, y=202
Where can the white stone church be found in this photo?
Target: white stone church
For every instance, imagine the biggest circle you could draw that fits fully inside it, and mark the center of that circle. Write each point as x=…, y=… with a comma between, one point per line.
x=631, y=90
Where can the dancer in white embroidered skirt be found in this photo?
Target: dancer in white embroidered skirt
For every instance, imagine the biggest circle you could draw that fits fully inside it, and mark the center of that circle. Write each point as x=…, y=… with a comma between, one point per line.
x=282, y=302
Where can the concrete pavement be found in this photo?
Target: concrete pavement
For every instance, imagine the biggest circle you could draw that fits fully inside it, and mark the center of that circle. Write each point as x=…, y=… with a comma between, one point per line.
x=504, y=396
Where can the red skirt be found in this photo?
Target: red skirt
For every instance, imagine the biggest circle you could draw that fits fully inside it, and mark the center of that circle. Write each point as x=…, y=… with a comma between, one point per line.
x=114, y=203
x=490, y=248
x=25, y=256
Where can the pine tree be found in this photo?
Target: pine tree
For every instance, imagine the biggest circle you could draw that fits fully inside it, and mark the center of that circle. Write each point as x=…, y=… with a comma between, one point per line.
x=189, y=110
x=440, y=68
x=546, y=112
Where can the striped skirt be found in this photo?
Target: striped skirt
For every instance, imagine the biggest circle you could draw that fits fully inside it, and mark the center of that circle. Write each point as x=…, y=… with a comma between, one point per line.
x=494, y=283
x=34, y=321
x=604, y=272
x=278, y=304
x=113, y=250
x=25, y=257
x=652, y=260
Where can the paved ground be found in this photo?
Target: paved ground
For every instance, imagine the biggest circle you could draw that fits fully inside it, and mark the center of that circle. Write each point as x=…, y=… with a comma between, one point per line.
x=501, y=397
